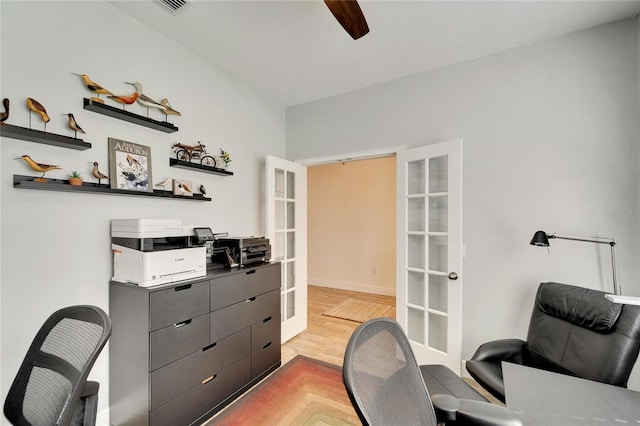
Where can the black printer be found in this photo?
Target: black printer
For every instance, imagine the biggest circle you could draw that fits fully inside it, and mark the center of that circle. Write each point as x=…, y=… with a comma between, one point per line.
x=247, y=250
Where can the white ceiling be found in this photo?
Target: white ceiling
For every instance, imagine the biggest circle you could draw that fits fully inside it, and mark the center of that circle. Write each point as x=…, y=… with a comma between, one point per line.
x=296, y=52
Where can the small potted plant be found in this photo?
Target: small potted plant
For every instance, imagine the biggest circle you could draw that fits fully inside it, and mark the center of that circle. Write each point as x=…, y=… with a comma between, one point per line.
x=226, y=157
x=75, y=179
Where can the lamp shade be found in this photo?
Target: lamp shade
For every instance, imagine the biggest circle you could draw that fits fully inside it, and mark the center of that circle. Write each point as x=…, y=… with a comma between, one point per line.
x=540, y=239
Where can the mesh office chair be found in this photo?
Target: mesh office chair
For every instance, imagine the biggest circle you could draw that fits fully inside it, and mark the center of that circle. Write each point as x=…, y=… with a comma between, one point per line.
x=384, y=384
x=51, y=387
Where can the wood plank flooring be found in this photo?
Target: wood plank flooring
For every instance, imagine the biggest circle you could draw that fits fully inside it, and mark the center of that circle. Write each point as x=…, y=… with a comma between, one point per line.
x=326, y=337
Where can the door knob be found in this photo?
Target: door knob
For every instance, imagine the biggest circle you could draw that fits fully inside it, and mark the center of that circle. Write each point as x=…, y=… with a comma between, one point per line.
x=453, y=276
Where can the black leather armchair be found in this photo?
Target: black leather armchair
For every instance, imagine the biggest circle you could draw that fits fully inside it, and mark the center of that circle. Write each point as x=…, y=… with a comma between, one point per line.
x=573, y=331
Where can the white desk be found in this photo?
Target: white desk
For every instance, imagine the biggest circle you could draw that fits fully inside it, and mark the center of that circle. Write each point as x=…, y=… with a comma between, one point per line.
x=540, y=397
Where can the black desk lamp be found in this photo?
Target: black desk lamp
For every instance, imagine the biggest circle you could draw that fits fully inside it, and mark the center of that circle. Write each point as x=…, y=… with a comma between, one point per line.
x=541, y=239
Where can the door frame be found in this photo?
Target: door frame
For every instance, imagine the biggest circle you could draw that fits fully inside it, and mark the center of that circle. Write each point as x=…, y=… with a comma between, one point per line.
x=384, y=152
x=354, y=156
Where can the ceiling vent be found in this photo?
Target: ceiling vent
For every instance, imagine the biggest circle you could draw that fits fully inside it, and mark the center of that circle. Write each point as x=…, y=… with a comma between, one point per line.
x=174, y=6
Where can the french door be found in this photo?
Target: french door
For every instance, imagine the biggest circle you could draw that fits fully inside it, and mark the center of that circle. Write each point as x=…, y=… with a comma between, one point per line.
x=429, y=251
x=286, y=195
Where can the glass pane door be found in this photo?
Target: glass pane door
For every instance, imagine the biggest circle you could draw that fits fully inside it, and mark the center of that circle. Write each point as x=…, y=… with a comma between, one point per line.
x=286, y=223
x=284, y=238
x=428, y=305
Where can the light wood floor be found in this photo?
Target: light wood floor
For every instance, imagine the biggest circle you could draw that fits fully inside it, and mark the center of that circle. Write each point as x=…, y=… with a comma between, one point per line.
x=326, y=337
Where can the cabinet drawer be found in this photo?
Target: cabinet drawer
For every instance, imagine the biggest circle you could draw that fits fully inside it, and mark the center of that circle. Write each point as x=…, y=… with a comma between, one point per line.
x=173, y=305
x=264, y=358
x=237, y=287
x=194, y=403
x=265, y=331
x=171, y=380
x=176, y=341
x=233, y=318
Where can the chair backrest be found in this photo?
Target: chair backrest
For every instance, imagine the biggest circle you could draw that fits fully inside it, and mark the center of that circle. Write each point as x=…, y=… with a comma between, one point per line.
x=47, y=388
x=382, y=377
x=577, y=331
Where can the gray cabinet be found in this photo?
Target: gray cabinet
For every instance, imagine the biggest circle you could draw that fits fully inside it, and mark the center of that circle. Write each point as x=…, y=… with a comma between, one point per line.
x=180, y=352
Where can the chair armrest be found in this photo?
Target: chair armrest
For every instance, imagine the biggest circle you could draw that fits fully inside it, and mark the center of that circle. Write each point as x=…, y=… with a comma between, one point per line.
x=89, y=389
x=501, y=350
x=470, y=412
x=89, y=398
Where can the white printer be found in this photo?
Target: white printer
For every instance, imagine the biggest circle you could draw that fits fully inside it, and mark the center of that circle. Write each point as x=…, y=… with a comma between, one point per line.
x=149, y=252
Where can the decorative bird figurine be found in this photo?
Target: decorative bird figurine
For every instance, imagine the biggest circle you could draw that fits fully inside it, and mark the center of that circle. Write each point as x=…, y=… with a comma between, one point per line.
x=168, y=109
x=165, y=182
x=37, y=107
x=203, y=191
x=4, y=115
x=38, y=167
x=94, y=87
x=73, y=125
x=184, y=187
x=97, y=173
x=146, y=100
x=125, y=99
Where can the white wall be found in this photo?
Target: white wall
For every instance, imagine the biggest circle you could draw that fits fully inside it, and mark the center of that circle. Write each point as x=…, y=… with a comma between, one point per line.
x=550, y=142
x=56, y=245
x=348, y=203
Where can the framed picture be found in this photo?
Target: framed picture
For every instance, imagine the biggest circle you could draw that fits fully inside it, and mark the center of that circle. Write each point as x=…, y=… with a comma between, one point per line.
x=183, y=187
x=130, y=166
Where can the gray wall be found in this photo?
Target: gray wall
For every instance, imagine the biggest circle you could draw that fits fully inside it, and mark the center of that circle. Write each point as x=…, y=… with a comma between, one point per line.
x=550, y=137
x=56, y=245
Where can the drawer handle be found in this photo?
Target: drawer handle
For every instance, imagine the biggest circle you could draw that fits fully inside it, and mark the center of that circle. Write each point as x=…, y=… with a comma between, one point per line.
x=213, y=345
x=208, y=379
x=251, y=299
x=253, y=271
x=267, y=319
x=266, y=346
x=182, y=324
x=183, y=287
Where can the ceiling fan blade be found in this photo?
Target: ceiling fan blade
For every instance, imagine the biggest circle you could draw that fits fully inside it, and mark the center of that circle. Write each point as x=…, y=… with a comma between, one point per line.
x=350, y=16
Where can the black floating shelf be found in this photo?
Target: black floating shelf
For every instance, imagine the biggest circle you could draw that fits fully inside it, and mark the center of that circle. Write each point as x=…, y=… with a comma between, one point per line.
x=122, y=114
x=28, y=182
x=16, y=132
x=173, y=162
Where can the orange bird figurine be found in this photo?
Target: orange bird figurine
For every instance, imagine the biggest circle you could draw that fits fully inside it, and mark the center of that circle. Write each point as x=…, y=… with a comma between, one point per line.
x=125, y=99
x=4, y=115
x=94, y=87
x=37, y=107
x=38, y=167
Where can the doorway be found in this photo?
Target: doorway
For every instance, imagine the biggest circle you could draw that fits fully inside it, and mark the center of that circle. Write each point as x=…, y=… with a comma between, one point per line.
x=351, y=218
x=429, y=244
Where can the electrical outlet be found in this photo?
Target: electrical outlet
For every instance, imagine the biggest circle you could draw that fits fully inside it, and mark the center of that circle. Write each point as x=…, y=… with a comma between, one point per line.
x=373, y=271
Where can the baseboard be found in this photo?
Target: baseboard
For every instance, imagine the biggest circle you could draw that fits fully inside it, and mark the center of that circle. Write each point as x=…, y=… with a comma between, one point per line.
x=103, y=417
x=362, y=288
x=463, y=370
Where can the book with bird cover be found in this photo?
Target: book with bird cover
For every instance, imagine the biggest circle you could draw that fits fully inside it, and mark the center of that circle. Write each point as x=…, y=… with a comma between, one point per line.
x=130, y=166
